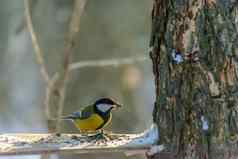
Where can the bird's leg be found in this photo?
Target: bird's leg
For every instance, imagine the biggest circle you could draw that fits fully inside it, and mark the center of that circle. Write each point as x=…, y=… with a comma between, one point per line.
x=101, y=132
x=100, y=135
x=105, y=134
x=94, y=136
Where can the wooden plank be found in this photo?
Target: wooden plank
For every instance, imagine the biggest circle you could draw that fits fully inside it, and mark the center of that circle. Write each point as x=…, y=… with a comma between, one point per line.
x=22, y=144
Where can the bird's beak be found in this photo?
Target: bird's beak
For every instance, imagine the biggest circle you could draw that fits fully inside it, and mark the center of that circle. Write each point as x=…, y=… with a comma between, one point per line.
x=117, y=106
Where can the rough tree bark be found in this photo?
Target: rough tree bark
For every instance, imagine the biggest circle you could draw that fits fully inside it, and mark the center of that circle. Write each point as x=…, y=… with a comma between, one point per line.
x=194, y=50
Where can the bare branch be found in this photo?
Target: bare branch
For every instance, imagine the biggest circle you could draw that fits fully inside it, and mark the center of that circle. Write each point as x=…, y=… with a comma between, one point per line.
x=35, y=43
x=107, y=62
x=73, y=30
x=48, y=95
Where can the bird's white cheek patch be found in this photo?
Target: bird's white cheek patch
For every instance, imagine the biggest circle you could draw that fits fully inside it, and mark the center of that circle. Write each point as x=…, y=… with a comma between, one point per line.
x=104, y=107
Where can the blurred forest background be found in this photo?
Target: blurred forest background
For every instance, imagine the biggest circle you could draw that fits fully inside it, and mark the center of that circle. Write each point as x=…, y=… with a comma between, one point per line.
x=109, y=29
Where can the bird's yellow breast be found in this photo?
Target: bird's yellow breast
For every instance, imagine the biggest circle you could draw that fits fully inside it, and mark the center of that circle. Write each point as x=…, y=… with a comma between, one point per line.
x=93, y=123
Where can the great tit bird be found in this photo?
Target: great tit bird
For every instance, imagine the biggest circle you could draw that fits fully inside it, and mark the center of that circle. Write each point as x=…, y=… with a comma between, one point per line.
x=94, y=117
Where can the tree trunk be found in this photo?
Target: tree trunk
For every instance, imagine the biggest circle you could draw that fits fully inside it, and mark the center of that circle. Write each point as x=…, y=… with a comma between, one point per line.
x=194, y=50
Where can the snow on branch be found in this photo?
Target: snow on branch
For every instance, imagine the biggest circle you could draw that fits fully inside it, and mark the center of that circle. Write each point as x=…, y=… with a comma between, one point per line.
x=22, y=144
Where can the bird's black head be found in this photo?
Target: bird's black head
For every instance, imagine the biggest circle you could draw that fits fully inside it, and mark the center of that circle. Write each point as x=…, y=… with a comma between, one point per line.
x=106, y=104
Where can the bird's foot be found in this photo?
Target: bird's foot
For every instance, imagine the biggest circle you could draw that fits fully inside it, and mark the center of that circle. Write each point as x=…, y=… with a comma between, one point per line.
x=101, y=135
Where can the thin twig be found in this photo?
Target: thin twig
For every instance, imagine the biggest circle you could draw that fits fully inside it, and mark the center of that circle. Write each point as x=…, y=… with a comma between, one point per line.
x=73, y=30
x=108, y=62
x=35, y=43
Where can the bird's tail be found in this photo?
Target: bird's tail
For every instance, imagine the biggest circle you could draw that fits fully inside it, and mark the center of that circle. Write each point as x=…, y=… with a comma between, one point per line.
x=69, y=117
x=62, y=118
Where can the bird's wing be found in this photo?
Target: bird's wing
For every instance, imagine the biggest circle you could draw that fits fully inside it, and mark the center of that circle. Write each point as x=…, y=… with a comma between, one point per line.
x=85, y=112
